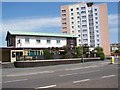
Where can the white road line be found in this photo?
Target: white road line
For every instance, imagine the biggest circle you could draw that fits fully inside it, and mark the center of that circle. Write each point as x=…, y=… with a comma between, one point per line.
x=81, y=68
x=105, y=63
x=108, y=76
x=43, y=72
x=89, y=71
x=84, y=67
x=59, y=70
x=68, y=74
x=78, y=73
x=46, y=87
x=15, y=81
x=81, y=81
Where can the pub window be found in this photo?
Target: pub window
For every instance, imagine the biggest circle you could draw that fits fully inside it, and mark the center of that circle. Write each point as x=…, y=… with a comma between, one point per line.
x=13, y=54
x=58, y=41
x=38, y=53
x=48, y=41
x=37, y=41
x=27, y=40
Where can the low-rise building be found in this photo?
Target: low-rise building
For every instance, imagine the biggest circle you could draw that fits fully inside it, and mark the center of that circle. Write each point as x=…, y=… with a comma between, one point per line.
x=38, y=40
x=32, y=44
x=115, y=47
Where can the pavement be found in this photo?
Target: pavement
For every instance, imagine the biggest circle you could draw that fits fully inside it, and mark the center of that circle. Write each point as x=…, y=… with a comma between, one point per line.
x=97, y=74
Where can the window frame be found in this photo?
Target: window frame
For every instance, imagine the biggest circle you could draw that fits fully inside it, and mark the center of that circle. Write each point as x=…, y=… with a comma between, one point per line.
x=58, y=41
x=27, y=40
x=48, y=41
x=71, y=9
x=38, y=40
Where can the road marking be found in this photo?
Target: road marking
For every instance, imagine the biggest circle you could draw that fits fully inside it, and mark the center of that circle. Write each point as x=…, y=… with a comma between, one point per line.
x=43, y=72
x=81, y=68
x=78, y=73
x=46, y=87
x=108, y=76
x=105, y=63
x=15, y=80
x=59, y=70
x=89, y=71
x=68, y=74
x=81, y=81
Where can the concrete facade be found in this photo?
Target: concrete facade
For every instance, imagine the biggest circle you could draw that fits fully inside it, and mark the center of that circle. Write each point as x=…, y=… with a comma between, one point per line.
x=41, y=42
x=38, y=40
x=89, y=22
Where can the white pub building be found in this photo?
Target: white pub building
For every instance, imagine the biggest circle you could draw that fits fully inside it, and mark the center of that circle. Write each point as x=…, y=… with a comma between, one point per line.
x=33, y=43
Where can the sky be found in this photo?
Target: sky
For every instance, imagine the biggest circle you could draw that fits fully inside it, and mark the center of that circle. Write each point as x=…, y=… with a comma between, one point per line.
x=45, y=17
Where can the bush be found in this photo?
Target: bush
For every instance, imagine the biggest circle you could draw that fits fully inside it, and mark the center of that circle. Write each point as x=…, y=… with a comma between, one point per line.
x=47, y=54
x=99, y=49
x=77, y=52
x=101, y=55
x=117, y=51
x=67, y=52
x=67, y=55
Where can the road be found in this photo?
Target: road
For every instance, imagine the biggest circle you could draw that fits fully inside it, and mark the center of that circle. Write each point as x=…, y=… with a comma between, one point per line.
x=98, y=74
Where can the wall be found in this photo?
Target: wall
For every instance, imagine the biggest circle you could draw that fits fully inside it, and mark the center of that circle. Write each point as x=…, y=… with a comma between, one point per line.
x=104, y=32
x=12, y=59
x=5, y=55
x=11, y=41
x=42, y=44
x=96, y=29
x=67, y=30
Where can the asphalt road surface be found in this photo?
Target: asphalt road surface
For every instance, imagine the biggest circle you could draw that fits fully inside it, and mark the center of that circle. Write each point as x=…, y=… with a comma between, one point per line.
x=98, y=74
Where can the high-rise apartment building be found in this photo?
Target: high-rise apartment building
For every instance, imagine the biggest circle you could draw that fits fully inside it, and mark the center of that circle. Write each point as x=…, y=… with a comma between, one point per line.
x=89, y=22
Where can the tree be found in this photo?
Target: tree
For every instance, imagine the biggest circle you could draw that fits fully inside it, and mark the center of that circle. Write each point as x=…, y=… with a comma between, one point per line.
x=47, y=54
x=117, y=51
x=78, y=51
x=86, y=51
x=100, y=53
x=66, y=48
x=67, y=52
x=99, y=49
